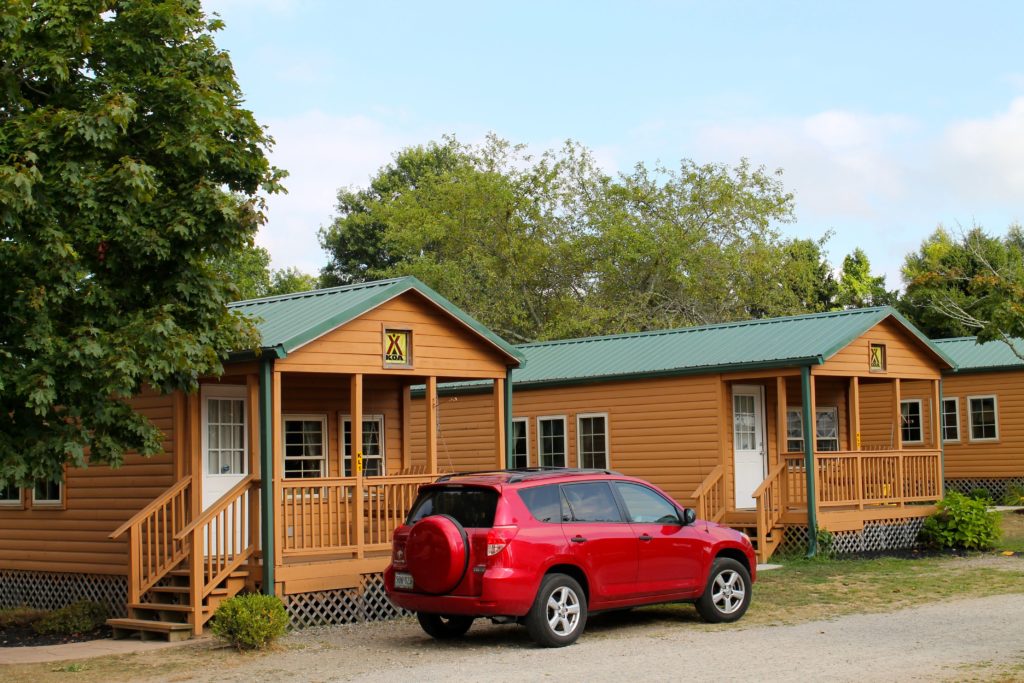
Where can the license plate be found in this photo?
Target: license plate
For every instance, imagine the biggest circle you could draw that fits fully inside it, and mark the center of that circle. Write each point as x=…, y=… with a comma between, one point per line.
x=403, y=581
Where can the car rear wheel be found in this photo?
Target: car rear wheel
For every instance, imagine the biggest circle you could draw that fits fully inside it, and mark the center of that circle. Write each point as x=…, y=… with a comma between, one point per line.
x=727, y=594
x=444, y=626
x=559, y=612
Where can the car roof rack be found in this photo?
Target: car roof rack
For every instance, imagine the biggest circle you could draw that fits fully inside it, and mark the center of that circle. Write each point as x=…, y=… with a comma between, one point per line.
x=518, y=474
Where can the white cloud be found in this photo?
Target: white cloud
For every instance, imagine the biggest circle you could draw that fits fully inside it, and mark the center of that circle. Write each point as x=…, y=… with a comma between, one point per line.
x=322, y=153
x=984, y=157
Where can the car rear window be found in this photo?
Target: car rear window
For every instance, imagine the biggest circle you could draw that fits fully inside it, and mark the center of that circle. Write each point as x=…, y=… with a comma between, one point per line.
x=543, y=502
x=471, y=507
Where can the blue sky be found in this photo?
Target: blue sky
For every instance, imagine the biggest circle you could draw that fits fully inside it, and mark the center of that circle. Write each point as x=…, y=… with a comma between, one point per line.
x=886, y=118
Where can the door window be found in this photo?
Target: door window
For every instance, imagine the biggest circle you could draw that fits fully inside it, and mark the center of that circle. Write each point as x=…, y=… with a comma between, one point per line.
x=644, y=506
x=591, y=502
x=373, y=445
x=744, y=423
x=225, y=435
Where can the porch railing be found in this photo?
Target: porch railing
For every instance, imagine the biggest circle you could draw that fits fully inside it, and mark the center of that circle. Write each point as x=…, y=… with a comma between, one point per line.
x=771, y=501
x=345, y=514
x=153, y=545
x=866, y=478
x=710, y=496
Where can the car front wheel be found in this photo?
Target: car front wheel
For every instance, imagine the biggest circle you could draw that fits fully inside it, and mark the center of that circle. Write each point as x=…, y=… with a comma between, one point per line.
x=727, y=594
x=443, y=626
x=559, y=612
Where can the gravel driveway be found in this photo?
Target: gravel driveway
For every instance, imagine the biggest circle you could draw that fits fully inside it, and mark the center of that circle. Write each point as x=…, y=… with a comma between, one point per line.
x=948, y=640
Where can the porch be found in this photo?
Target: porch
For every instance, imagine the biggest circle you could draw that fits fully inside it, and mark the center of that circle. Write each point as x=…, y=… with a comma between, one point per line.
x=872, y=453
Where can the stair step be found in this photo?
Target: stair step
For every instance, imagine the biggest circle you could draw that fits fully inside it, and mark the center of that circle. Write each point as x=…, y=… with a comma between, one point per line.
x=160, y=606
x=124, y=628
x=237, y=574
x=171, y=589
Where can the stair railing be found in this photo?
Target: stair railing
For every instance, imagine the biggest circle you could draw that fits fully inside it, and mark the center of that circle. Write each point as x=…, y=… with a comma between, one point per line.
x=771, y=503
x=222, y=539
x=710, y=496
x=154, y=547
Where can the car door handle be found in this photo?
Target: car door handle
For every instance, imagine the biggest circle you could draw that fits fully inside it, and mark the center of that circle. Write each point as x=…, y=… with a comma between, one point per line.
x=578, y=539
x=644, y=537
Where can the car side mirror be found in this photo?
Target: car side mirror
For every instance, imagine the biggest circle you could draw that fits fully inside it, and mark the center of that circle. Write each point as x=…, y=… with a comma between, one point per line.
x=689, y=516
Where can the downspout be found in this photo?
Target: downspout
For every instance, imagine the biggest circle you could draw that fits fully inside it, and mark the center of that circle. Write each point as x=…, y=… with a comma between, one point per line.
x=509, y=440
x=266, y=474
x=812, y=513
x=942, y=443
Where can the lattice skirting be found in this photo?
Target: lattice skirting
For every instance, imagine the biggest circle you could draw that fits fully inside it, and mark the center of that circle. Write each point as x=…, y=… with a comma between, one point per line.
x=996, y=487
x=45, y=590
x=368, y=602
x=880, y=535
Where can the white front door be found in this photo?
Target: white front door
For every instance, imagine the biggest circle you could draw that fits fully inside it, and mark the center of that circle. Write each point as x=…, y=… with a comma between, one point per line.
x=749, y=453
x=225, y=439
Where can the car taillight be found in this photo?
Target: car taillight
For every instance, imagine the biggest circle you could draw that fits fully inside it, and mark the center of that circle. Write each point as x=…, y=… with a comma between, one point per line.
x=398, y=553
x=498, y=537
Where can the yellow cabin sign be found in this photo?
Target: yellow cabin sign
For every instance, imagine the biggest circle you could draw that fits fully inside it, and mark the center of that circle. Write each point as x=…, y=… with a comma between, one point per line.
x=397, y=348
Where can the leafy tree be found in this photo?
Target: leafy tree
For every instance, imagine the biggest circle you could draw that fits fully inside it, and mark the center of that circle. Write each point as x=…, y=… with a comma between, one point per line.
x=973, y=285
x=127, y=170
x=858, y=287
x=250, y=273
x=807, y=276
x=291, y=280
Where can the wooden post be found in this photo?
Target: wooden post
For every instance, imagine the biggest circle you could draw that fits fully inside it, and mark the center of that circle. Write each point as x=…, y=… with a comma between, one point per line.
x=499, y=421
x=936, y=414
x=195, y=426
x=196, y=581
x=277, y=439
x=430, y=401
x=855, y=444
x=782, y=419
x=897, y=400
x=406, y=427
x=356, y=454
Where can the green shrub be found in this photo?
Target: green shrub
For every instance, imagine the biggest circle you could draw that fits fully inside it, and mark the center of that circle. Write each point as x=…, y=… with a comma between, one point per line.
x=250, y=621
x=80, y=617
x=826, y=542
x=961, y=522
x=981, y=494
x=1014, y=495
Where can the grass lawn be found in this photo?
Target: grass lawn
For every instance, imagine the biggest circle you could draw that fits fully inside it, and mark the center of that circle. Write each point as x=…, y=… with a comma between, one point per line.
x=1013, y=532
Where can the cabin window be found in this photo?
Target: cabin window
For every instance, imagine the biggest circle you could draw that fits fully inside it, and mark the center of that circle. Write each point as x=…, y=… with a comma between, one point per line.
x=520, y=442
x=225, y=430
x=876, y=358
x=826, y=426
x=551, y=441
x=373, y=445
x=305, y=446
x=592, y=433
x=983, y=415
x=910, y=421
x=10, y=496
x=950, y=419
x=48, y=494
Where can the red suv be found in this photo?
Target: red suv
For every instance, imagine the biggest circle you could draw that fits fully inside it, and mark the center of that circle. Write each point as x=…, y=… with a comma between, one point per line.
x=546, y=547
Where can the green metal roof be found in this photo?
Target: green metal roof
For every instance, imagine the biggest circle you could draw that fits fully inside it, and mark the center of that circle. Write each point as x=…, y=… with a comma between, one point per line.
x=970, y=356
x=755, y=344
x=289, y=321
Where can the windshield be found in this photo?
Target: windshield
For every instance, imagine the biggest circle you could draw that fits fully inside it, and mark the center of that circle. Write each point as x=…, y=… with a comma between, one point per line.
x=470, y=507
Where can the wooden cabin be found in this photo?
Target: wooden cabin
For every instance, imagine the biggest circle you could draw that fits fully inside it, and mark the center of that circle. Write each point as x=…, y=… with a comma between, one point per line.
x=983, y=416
x=258, y=485
x=720, y=417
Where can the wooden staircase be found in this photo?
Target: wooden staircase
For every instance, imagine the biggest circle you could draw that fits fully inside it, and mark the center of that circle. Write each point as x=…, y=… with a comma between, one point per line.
x=180, y=570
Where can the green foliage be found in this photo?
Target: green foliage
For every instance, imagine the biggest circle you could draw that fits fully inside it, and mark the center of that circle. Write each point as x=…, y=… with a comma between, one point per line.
x=20, y=616
x=250, y=273
x=981, y=494
x=1014, y=495
x=826, y=542
x=127, y=170
x=961, y=522
x=250, y=621
x=290, y=280
x=547, y=246
x=80, y=617
x=858, y=287
x=967, y=286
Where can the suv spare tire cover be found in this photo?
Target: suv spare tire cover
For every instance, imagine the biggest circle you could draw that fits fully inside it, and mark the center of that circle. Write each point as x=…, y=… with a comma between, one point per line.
x=437, y=554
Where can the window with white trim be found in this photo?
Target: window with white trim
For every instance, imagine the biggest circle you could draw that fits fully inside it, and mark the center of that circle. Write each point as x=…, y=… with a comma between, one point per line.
x=592, y=441
x=910, y=421
x=983, y=416
x=551, y=441
x=826, y=425
x=520, y=442
x=226, y=434
x=305, y=446
x=11, y=496
x=951, y=419
x=373, y=445
x=48, y=494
